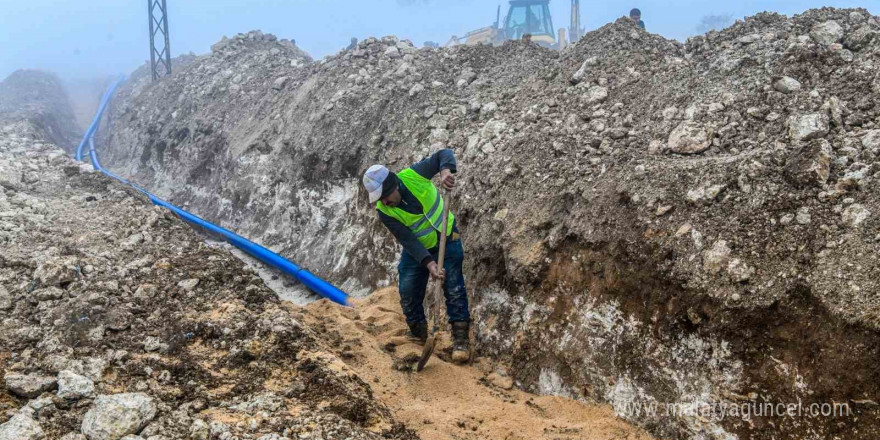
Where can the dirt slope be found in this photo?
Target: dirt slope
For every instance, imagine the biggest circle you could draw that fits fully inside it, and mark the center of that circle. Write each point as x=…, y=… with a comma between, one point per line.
x=104, y=296
x=645, y=221
x=449, y=401
x=39, y=98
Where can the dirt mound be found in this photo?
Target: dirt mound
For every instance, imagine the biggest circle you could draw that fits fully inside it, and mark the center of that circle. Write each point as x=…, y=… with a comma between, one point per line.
x=645, y=221
x=445, y=400
x=103, y=296
x=39, y=99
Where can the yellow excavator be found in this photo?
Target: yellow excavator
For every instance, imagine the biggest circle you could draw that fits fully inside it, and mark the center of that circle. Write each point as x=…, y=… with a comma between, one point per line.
x=525, y=17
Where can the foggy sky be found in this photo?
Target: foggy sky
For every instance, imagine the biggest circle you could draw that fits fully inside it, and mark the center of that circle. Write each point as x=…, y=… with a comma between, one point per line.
x=85, y=38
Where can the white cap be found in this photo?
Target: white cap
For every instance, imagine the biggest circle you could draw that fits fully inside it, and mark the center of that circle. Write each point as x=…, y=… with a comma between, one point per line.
x=373, y=179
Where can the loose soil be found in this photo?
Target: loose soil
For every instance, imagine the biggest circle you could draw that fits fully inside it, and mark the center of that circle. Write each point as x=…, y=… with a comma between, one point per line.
x=445, y=400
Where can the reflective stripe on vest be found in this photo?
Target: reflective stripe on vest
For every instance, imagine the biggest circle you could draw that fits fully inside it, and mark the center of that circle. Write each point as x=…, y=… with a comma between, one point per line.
x=437, y=204
x=422, y=225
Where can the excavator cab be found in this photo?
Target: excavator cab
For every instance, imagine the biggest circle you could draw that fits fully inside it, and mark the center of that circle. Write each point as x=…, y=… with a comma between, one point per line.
x=529, y=17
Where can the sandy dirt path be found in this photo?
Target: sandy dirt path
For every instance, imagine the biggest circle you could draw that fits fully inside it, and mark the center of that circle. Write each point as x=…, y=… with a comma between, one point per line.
x=448, y=401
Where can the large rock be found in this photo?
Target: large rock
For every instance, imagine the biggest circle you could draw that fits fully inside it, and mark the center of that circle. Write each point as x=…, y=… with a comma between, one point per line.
x=392, y=52
x=596, y=94
x=115, y=416
x=827, y=33
x=27, y=385
x=583, y=71
x=279, y=83
x=199, y=430
x=811, y=164
x=268, y=402
x=466, y=77
x=854, y=215
x=688, y=138
x=21, y=427
x=717, y=258
x=787, y=84
x=56, y=272
x=860, y=38
x=871, y=140
x=807, y=127
x=10, y=176
x=90, y=367
x=704, y=194
x=72, y=386
x=48, y=294
x=6, y=300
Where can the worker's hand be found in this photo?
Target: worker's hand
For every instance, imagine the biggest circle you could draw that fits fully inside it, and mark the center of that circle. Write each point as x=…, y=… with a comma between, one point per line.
x=436, y=271
x=447, y=179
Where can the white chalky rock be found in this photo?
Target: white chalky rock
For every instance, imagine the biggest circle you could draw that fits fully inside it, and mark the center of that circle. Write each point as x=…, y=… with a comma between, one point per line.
x=807, y=127
x=787, y=84
x=827, y=33
x=716, y=258
x=855, y=214
x=21, y=427
x=596, y=94
x=72, y=386
x=28, y=385
x=115, y=416
x=688, y=138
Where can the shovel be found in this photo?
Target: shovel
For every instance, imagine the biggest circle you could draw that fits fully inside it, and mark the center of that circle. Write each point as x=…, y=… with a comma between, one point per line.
x=438, y=292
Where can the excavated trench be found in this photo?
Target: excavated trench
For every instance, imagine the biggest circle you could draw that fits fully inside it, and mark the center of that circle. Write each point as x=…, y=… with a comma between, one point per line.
x=603, y=325
x=660, y=232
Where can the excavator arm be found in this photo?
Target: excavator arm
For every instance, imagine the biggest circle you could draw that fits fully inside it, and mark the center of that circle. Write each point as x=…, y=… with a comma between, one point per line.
x=575, y=30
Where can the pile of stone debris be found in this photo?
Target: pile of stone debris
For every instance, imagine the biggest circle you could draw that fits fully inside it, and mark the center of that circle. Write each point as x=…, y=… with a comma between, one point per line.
x=118, y=321
x=38, y=98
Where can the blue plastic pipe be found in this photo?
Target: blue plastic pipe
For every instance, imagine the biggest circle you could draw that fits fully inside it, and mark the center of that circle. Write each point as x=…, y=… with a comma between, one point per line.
x=93, y=127
x=310, y=280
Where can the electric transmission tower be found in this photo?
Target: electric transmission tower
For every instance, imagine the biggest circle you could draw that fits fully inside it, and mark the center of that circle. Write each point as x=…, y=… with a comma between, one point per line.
x=160, y=60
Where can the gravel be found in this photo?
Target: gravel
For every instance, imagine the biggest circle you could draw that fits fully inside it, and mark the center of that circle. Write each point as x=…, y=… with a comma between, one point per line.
x=91, y=271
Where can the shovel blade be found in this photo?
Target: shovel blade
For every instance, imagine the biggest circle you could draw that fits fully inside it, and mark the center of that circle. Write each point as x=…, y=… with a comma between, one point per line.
x=426, y=353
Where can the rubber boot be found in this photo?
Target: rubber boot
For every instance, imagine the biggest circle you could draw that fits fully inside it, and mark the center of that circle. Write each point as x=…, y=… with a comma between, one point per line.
x=461, y=343
x=417, y=333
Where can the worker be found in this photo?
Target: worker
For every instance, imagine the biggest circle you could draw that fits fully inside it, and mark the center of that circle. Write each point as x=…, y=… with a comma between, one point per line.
x=636, y=15
x=353, y=44
x=411, y=207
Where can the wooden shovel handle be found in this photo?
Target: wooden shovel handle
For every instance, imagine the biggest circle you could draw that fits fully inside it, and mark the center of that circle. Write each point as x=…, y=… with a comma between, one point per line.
x=443, y=219
x=441, y=257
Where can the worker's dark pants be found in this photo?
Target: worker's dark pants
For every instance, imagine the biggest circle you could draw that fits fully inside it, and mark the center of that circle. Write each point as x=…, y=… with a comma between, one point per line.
x=414, y=280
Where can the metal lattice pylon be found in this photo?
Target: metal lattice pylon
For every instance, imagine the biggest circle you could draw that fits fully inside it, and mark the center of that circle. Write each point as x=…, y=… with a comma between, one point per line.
x=160, y=60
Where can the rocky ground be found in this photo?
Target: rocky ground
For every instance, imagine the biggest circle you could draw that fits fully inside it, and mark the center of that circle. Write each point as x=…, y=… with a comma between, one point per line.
x=645, y=221
x=117, y=320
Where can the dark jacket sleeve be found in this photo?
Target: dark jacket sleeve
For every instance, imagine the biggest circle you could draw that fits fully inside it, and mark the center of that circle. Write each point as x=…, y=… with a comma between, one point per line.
x=407, y=239
x=428, y=168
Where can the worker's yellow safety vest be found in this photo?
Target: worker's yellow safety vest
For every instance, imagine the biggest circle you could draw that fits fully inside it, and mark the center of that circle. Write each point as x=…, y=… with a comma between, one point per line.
x=425, y=224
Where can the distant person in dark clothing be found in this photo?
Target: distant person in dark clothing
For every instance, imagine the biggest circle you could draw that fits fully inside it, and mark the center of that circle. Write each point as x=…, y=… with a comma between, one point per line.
x=354, y=43
x=636, y=15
